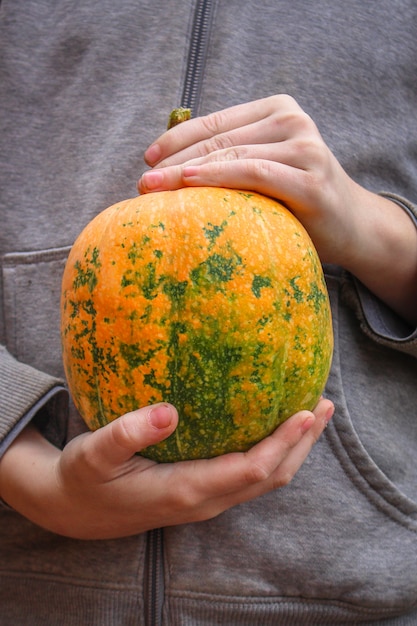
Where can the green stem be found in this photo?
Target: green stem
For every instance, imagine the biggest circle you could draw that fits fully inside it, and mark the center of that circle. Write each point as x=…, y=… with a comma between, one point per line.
x=177, y=116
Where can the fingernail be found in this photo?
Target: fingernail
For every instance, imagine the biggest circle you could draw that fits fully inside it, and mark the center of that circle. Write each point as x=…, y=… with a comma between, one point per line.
x=160, y=416
x=329, y=414
x=151, y=180
x=153, y=154
x=308, y=423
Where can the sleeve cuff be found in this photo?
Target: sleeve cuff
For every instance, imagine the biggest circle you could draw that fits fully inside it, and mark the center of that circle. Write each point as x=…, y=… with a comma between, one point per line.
x=53, y=403
x=27, y=394
x=381, y=319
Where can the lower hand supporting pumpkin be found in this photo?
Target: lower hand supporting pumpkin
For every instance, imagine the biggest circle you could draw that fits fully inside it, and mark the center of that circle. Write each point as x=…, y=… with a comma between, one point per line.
x=272, y=146
x=97, y=487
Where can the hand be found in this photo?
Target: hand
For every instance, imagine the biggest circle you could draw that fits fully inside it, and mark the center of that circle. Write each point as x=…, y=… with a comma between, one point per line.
x=272, y=146
x=98, y=488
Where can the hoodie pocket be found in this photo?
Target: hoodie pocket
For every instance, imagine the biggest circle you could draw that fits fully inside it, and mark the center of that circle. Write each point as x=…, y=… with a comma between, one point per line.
x=374, y=430
x=32, y=286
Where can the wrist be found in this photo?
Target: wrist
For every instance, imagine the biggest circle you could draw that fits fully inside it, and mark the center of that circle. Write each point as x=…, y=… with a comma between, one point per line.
x=383, y=251
x=27, y=477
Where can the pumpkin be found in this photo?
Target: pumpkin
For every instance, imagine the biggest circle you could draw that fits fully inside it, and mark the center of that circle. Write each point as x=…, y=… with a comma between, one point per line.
x=211, y=299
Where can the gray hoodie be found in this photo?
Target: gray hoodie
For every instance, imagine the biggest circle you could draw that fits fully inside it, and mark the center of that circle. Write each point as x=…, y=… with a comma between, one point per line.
x=84, y=88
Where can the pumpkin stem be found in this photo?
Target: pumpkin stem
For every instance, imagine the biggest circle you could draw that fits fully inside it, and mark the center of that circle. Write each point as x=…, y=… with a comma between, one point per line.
x=178, y=115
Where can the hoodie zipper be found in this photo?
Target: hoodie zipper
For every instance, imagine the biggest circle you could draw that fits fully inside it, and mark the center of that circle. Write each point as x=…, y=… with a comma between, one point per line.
x=200, y=33
x=197, y=55
x=154, y=578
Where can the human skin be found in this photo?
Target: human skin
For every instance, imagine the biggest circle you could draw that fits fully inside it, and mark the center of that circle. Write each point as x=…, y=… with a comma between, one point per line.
x=98, y=488
x=272, y=146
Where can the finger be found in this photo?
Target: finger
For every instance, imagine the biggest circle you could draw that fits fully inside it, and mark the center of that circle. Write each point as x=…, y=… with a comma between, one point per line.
x=171, y=177
x=233, y=472
x=298, y=454
x=238, y=142
x=268, y=470
x=277, y=180
x=272, y=178
x=114, y=444
x=205, y=127
x=201, y=128
x=287, y=447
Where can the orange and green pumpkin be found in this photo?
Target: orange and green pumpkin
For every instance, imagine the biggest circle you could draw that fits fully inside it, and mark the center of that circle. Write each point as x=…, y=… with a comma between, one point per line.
x=211, y=299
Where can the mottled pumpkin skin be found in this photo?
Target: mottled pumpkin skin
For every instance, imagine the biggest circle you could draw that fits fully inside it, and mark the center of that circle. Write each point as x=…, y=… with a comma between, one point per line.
x=208, y=298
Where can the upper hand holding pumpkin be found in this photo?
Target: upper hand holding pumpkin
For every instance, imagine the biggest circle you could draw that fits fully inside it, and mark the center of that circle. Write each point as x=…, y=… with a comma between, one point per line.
x=97, y=487
x=272, y=146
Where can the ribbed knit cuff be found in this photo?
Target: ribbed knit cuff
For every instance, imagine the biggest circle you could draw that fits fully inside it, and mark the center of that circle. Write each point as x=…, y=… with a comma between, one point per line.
x=24, y=392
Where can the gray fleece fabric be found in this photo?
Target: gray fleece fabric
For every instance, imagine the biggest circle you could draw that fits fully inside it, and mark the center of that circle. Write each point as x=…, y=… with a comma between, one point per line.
x=84, y=88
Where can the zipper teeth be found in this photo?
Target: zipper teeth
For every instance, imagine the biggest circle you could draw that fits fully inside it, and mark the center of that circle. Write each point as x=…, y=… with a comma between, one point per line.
x=197, y=55
x=154, y=578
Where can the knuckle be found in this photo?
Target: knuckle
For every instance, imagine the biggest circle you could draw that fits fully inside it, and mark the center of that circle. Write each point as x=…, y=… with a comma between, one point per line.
x=284, y=110
x=316, y=176
x=123, y=431
x=275, y=123
x=282, y=101
x=295, y=120
x=184, y=494
x=236, y=153
x=283, y=479
x=305, y=123
x=313, y=146
x=183, y=498
x=257, y=472
x=213, y=123
x=217, y=143
x=300, y=124
x=87, y=462
x=311, y=149
x=259, y=170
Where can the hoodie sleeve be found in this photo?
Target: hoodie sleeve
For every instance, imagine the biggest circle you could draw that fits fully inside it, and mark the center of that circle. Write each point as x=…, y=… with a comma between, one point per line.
x=27, y=394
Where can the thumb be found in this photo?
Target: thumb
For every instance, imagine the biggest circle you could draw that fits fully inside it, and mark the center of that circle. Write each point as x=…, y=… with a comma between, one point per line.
x=118, y=441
